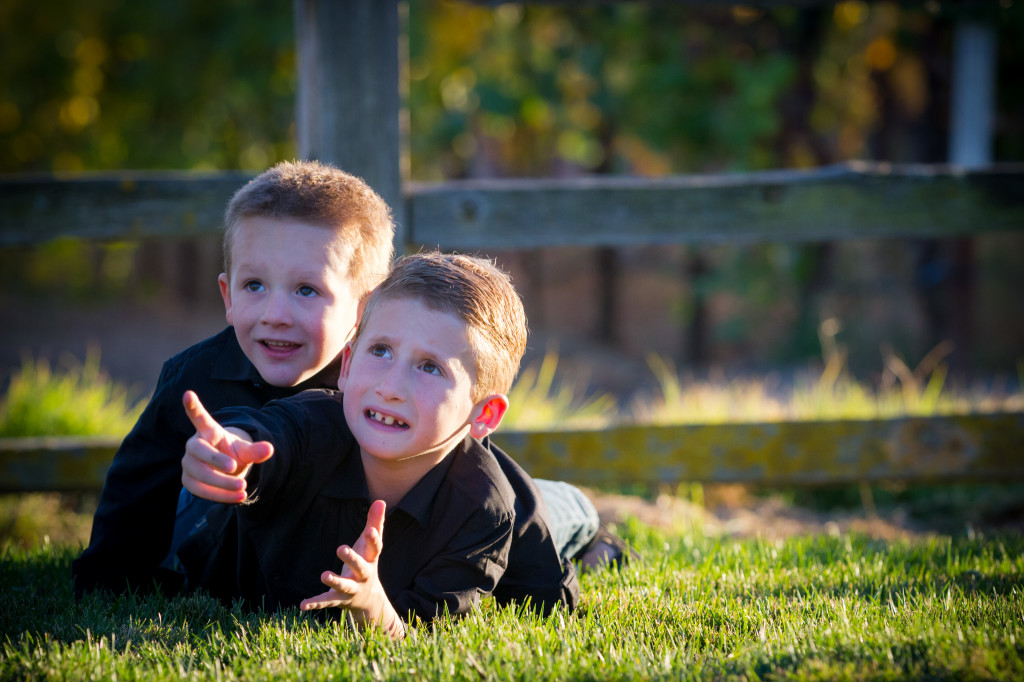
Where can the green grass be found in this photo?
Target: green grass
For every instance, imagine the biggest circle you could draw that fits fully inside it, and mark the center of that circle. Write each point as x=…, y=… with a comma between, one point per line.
x=77, y=400
x=832, y=394
x=698, y=608
x=538, y=401
x=81, y=399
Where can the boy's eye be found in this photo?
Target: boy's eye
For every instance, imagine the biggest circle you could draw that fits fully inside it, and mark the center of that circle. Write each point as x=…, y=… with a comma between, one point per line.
x=431, y=368
x=306, y=290
x=380, y=351
x=253, y=285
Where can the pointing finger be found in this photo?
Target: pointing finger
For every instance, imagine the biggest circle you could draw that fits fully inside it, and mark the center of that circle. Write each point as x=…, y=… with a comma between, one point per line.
x=205, y=425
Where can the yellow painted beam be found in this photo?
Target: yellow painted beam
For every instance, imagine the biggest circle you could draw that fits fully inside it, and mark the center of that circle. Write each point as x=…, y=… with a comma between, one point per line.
x=968, y=447
x=955, y=448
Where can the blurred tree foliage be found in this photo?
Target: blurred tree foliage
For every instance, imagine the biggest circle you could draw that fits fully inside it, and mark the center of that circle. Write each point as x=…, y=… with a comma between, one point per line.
x=515, y=90
x=655, y=88
x=106, y=84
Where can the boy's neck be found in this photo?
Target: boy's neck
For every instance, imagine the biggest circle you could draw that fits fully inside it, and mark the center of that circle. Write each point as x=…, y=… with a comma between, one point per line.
x=390, y=481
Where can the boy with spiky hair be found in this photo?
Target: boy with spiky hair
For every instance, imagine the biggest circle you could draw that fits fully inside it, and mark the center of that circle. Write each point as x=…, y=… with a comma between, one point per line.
x=304, y=243
x=391, y=467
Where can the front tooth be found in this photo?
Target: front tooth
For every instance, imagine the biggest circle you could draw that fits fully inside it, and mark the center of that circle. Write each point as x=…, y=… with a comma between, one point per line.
x=389, y=420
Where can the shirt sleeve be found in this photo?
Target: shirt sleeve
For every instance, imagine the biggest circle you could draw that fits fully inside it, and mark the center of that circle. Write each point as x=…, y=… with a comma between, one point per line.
x=134, y=519
x=305, y=432
x=276, y=426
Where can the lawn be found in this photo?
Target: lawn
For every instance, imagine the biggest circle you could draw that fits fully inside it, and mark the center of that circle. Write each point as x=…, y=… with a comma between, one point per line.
x=937, y=596
x=827, y=606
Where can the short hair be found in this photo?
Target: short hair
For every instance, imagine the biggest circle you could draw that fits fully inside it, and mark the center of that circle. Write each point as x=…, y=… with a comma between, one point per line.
x=476, y=291
x=325, y=196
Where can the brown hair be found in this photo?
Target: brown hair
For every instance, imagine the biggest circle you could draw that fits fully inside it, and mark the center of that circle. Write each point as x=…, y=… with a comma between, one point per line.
x=322, y=195
x=477, y=292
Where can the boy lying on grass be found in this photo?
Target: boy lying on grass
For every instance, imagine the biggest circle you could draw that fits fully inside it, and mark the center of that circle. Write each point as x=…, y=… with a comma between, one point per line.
x=396, y=454
x=304, y=244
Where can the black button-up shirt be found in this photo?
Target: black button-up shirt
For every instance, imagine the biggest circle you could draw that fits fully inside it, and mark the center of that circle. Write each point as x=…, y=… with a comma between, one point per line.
x=447, y=543
x=134, y=521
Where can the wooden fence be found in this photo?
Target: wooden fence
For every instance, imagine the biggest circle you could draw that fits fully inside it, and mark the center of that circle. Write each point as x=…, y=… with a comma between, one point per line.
x=856, y=200
x=349, y=52
x=979, y=447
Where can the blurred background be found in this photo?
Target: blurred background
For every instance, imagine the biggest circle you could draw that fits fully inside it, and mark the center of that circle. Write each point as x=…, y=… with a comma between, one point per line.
x=535, y=91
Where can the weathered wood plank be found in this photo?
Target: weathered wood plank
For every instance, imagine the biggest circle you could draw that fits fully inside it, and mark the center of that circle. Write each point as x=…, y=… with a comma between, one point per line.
x=855, y=200
x=55, y=464
x=126, y=205
x=848, y=201
x=348, y=100
x=957, y=448
x=954, y=448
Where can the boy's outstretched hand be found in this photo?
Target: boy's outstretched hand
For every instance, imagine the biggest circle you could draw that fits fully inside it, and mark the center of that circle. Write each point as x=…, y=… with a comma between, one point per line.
x=358, y=588
x=216, y=459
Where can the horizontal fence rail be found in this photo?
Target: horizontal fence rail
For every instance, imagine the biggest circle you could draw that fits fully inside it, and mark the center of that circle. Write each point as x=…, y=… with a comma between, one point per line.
x=856, y=200
x=912, y=449
x=974, y=447
x=114, y=206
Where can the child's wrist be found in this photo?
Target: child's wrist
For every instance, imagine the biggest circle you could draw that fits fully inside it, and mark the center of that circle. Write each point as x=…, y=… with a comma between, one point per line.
x=384, y=617
x=396, y=630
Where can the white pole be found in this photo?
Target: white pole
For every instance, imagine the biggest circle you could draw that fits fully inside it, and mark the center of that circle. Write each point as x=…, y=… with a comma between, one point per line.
x=973, y=97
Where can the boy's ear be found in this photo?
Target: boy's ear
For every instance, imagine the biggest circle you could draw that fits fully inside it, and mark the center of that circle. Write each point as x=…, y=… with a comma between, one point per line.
x=346, y=365
x=360, y=309
x=225, y=294
x=489, y=413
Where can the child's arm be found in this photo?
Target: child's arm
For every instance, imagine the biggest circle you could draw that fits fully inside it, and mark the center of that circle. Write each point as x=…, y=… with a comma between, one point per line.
x=358, y=588
x=217, y=459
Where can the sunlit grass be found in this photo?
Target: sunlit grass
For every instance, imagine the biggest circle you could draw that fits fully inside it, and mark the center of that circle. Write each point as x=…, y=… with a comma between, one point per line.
x=698, y=607
x=82, y=400
x=538, y=401
x=832, y=394
x=77, y=400
x=813, y=608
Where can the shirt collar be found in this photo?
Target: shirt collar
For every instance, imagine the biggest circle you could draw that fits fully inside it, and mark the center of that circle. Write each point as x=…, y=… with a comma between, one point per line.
x=233, y=365
x=419, y=501
x=349, y=483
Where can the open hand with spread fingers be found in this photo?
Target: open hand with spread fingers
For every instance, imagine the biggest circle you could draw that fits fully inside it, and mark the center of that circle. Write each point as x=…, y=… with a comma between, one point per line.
x=358, y=588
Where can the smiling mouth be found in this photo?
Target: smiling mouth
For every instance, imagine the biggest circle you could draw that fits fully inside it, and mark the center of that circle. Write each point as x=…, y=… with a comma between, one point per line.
x=279, y=345
x=386, y=420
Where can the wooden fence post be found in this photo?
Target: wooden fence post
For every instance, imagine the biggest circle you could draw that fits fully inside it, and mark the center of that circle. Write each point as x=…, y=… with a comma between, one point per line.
x=347, y=105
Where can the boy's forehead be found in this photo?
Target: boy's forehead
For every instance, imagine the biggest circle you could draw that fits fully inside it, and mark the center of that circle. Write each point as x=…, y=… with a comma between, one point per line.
x=254, y=227
x=259, y=232
x=383, y=309
x=391, y=314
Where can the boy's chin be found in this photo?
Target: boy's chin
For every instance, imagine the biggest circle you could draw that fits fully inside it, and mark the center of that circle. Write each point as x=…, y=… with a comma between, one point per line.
x=283, y=377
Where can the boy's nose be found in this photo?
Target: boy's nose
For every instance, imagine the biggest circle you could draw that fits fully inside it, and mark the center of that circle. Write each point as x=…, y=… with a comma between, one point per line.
x=276, y=311
x=390, y=385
